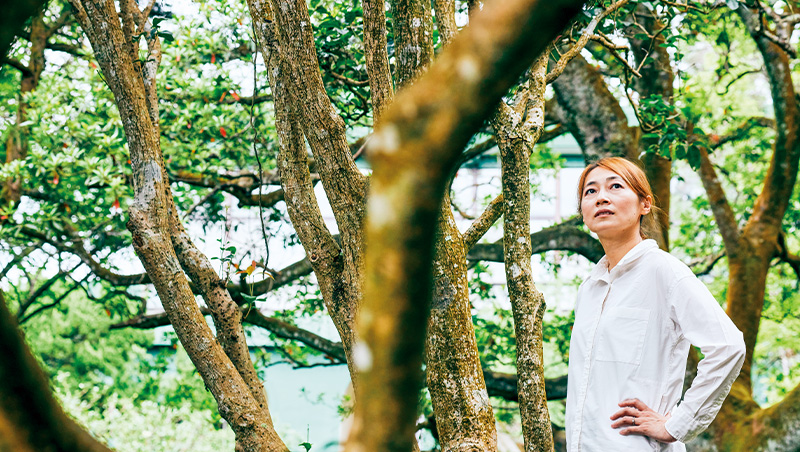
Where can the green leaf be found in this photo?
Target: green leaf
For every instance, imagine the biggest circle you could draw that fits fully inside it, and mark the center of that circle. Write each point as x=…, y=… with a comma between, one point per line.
x=693, y=157
x=306, y=445
x=249, y=298
x=166, y=35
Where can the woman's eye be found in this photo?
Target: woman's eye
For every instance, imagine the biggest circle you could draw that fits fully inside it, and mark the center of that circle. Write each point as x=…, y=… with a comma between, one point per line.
x=589, y=191
x=616, y=185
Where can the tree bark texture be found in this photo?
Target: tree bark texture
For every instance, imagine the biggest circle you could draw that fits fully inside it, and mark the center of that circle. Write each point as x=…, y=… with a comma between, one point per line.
x=464, y=417
x=413, y=36
x=324, y=253
x=515, y=139
x=324, y=129
x=445, y=11
x=377, y=56
x=413, y=153
x=591, y=113
x=156, y=237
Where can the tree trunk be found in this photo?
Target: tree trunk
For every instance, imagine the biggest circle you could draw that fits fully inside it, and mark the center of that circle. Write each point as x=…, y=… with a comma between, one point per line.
x=413, y=152
x=515, y=140
x=17, y=141
x=464, y=418
x=153, y=228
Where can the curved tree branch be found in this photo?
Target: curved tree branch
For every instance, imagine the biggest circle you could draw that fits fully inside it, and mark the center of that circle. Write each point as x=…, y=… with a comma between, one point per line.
x=565, y=237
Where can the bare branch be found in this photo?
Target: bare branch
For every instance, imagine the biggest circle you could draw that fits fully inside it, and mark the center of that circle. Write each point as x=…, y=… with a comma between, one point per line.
x=53, y=303
x=704, y=265
x=348, y=80
x=555, y=132
x=18, y=258
x=480, y=226
x=565, y=236
x=253, y=316
x=199, y=203
x=477, y=150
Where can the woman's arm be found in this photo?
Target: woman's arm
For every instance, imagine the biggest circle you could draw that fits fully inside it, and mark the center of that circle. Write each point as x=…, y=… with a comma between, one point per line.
x=704, y=324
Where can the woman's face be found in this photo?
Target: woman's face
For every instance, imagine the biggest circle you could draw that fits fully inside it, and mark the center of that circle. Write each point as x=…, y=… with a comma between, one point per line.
x=609, y=206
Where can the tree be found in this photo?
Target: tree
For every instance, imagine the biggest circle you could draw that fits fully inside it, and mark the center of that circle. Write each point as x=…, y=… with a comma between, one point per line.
x=320, y=84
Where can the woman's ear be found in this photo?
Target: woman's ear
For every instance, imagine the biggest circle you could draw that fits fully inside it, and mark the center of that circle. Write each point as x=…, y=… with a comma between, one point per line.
x=647, y=204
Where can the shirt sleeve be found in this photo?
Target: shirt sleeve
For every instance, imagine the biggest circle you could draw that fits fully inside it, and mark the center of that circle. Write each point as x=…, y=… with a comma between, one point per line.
x=704, y=324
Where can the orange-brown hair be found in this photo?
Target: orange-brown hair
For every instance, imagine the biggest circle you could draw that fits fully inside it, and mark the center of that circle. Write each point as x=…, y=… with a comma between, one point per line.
x=636, y=180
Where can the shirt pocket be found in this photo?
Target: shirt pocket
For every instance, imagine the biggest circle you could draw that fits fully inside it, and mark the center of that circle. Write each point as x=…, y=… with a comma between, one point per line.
x=621, y=336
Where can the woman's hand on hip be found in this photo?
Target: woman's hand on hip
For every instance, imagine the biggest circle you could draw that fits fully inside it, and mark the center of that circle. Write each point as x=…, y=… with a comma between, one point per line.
x=640, y=419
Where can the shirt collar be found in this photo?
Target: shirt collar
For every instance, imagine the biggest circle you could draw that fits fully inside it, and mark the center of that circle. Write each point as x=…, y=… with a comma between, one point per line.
x=600, y=271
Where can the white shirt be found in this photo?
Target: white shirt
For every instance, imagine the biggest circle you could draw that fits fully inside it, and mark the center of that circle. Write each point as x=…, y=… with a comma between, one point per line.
x=633, y=328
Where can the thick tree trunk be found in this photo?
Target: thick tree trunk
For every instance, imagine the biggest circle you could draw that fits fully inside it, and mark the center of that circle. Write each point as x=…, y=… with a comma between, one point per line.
x=324, y=129
x=592, y=114
x=657, y=78
x=413, y=152
x=464, y=418
x=323, y=251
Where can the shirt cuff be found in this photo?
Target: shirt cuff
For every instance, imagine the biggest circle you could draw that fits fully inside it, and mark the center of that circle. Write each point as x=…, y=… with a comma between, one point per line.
x=679, y=425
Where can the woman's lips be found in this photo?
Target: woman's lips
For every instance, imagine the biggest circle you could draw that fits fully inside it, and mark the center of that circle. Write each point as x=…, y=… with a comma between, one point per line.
x=603, y=213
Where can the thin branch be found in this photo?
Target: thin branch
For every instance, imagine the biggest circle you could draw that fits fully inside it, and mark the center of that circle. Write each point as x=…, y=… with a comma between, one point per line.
x=739, y=77
x=704, y=265
x=348, y=80
x=54, y=303
x=460, y=211
x=44, y=287
x=555, y=132
x=587, y=33
x=480, y=226
x=786, y=256
x=742, y=131
x=686, y=6
x=477, y=150
x=18, y=258
x=252, y=316
x=199, y=203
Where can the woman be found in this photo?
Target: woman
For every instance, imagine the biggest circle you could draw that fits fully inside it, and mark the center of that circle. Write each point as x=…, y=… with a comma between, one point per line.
x=636, y=316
